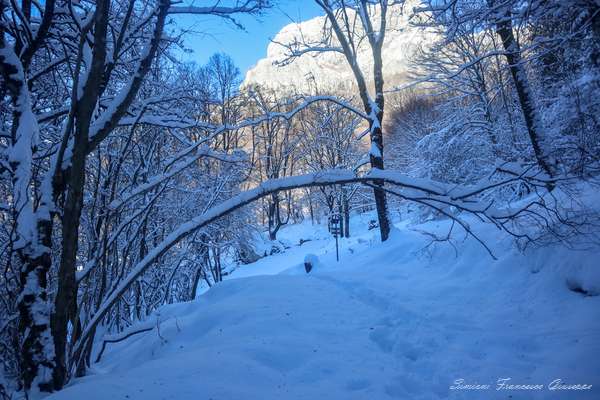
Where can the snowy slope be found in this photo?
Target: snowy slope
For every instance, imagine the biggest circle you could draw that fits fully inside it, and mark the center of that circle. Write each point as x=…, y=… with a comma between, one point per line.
x=330, y=70
x=388, y=322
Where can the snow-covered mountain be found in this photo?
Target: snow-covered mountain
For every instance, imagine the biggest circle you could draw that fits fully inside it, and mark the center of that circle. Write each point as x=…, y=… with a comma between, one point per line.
x=330, y=69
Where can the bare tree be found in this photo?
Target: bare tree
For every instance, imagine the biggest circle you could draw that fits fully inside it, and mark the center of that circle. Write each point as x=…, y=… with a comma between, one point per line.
x=502, y=15
x=106, y=49
x=462, y=19
x=328, y=140
x=275, y=146
x=350, y=25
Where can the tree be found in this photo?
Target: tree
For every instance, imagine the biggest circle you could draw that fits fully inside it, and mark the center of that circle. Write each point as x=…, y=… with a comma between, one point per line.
x=503, y=20
x=226, y=79
x=462, y=19
x=328, y=140
x=123, y=176
x=349, y=27
x=106, y=50
x=275, y=145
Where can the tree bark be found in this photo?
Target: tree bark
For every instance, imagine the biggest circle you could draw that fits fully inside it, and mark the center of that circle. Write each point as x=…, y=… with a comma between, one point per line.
x=346, y=212
x=37, y=348
x=66, y=296
x=274, y=217
x=33, y=250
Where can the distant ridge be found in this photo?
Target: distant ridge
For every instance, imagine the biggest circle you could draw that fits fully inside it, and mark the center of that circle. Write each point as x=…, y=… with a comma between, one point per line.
x=330, y=70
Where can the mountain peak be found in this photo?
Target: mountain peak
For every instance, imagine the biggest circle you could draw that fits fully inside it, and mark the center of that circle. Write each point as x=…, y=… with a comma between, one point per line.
x=328, y=70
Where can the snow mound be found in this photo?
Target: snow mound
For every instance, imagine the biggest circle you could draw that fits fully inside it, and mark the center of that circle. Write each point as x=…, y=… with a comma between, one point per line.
x=311, y=262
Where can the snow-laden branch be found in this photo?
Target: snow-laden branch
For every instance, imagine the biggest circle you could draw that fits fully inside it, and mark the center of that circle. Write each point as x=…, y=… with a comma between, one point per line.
x=421, y=190
x=195, y=151
x=161, y=120
x=172, y=121
x=106, y=122
x=202, y=151
x=246, y=7
x=242, y=199
x=297, y=49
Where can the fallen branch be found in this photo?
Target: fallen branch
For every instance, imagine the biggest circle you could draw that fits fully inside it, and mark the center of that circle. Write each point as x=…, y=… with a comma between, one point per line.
x=120, y=339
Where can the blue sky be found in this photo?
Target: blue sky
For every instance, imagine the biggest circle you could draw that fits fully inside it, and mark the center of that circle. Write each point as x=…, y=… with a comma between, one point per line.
x=213, y=34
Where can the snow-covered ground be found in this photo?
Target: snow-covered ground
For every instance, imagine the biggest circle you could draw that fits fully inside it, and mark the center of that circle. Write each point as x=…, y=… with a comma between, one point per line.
x=389, y=321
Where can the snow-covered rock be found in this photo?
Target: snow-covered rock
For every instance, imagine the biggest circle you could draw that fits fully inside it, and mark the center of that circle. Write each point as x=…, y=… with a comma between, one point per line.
x=311, y=262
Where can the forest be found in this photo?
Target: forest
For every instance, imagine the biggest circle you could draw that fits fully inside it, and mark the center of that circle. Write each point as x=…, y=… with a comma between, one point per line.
x=131, y=178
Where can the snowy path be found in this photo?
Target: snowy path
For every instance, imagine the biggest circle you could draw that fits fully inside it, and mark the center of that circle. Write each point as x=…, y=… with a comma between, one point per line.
x=383, y=324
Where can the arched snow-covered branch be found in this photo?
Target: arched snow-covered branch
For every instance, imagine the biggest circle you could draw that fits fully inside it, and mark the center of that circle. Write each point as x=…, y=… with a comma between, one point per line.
x=421, y=190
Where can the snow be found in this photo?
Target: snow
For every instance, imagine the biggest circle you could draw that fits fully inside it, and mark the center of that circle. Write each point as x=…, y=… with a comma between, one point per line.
x=329, y=68
x=311, y=261
x=86, y=60
x=20, y=153
x=375, y=150
x=398, y=320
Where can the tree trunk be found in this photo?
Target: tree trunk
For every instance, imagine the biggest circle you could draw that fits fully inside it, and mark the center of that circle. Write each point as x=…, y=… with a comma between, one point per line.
x=341, y=216
x=37, y=347
x=376, y=154
x=274, y=217
x=65, y=305
x=374, y=109
x=378, y=191
x=310, y=208
x=346, y=212
x=595, y=24
x=195, y=283
x=526, y=101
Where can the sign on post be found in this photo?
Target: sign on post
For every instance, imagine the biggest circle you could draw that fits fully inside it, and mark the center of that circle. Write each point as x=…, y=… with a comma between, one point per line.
x=336, y=230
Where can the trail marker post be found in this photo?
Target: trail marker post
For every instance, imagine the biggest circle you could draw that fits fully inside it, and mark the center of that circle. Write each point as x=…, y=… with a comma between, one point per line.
x=335, y=229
